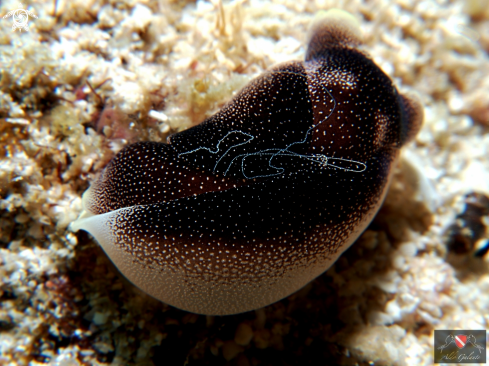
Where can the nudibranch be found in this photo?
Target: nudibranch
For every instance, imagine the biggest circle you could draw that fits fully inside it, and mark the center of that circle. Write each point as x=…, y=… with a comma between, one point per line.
x=249, y=206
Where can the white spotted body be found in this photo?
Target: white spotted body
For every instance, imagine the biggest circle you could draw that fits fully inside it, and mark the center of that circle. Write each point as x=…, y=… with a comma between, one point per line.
x=261, y=198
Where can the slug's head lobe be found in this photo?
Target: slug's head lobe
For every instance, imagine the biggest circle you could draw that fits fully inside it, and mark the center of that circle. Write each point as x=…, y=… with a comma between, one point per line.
x=363, y=94
x=330, y=29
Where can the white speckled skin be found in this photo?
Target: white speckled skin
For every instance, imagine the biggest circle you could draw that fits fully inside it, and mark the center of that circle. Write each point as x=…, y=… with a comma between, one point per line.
x=174, y=286
x=258, y=200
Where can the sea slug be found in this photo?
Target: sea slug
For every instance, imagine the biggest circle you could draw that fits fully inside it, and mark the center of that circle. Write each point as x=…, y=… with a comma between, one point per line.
x=261, y=198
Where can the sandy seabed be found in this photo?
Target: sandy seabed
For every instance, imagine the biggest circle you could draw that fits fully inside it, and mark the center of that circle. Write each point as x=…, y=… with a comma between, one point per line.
x=91, y=76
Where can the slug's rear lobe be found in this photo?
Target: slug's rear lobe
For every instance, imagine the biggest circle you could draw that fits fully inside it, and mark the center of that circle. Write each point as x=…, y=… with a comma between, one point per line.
x=262, y=197
x=412, y=117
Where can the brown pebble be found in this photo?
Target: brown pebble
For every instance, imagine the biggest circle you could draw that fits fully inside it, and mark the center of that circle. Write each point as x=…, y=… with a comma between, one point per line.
x=230, y=350
x=244, y=334
x=262, y=338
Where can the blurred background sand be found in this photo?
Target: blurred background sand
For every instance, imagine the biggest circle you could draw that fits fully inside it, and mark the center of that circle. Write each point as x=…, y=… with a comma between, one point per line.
x=91, y=76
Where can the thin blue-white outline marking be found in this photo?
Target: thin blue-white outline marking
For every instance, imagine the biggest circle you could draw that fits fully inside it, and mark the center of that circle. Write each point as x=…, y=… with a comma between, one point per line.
x=318, y=158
